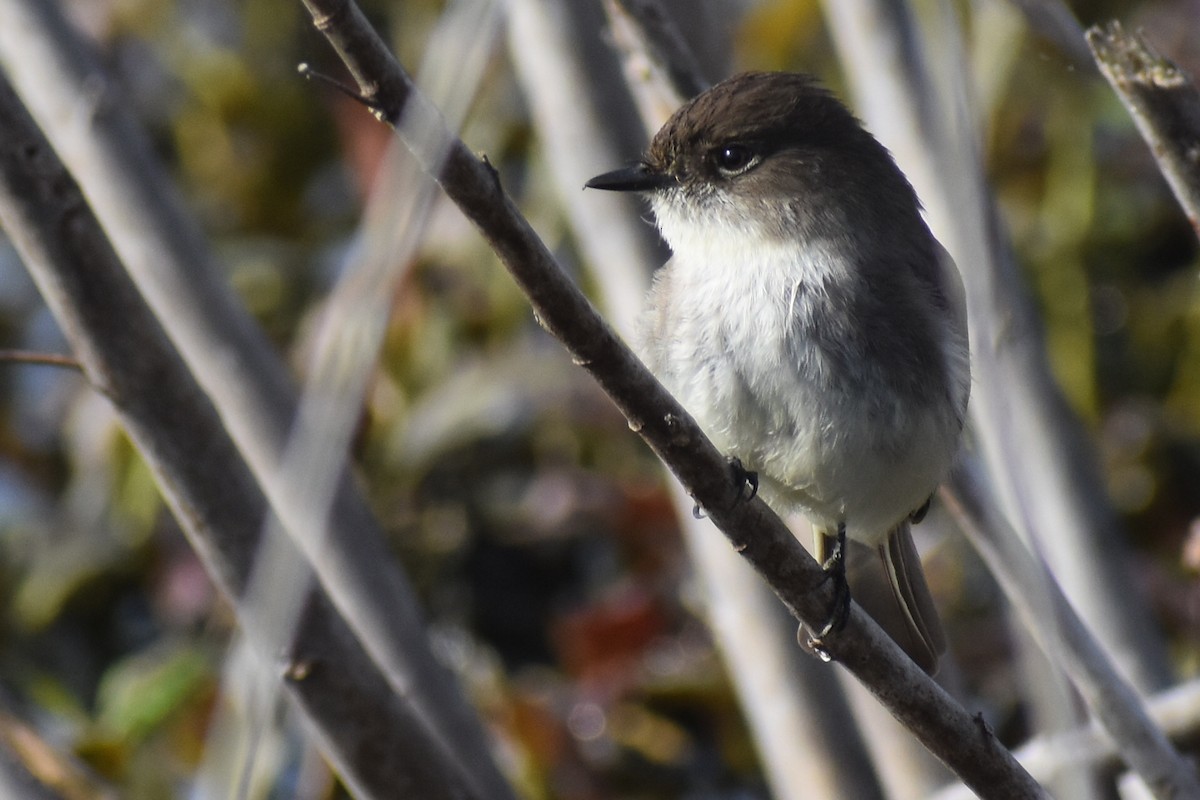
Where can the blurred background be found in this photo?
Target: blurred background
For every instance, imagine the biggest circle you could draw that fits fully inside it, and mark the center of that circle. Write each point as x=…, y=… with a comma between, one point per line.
x=538, y=530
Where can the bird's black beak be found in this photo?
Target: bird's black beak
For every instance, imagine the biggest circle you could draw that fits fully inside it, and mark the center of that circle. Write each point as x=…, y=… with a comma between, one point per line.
x=638, y=178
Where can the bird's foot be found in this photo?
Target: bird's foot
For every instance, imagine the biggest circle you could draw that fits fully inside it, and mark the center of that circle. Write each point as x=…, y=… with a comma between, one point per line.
x=743, y=480
x=839, y=610
x=918, y=515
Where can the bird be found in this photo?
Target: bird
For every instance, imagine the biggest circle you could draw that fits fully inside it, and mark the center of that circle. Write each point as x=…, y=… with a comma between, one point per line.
x=810, y=322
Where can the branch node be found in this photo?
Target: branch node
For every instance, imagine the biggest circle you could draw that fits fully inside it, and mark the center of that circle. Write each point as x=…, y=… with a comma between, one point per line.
x=311, y=74
x=493, y=173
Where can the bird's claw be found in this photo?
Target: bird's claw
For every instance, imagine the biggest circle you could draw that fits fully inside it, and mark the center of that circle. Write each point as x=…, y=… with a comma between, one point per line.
x=742, y=478
x=918, y=515
x=839, y=610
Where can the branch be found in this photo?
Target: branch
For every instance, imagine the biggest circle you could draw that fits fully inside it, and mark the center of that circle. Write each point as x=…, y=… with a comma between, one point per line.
x=1164, y=105
x=947, y=729
x=659, y=68
x=378, y=742
x=1053, y=623
x=1176, y=711
x=574, y=143
x=665, y=47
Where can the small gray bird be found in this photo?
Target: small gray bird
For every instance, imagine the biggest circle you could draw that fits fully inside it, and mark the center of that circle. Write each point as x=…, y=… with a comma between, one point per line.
x=809, y=320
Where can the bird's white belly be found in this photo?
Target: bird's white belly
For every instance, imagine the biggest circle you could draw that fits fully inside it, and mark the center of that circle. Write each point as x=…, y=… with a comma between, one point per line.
x=866, y=456
x=830, y=455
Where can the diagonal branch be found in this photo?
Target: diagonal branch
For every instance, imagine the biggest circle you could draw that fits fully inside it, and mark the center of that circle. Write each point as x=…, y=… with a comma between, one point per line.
x=1114, y=703
x=945, y=727
x=1176, y=711
x=1164, y=104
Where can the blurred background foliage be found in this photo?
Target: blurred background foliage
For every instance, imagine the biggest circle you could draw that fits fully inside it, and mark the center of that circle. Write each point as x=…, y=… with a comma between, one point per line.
x=534, y=524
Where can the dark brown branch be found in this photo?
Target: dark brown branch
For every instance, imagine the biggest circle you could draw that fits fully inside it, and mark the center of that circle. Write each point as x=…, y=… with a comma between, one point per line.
x=378, y=743
x=1164, y=105
x=753, y=530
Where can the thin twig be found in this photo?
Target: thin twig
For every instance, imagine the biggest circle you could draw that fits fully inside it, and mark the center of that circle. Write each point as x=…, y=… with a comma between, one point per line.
x=43, y=359
x=311, y=74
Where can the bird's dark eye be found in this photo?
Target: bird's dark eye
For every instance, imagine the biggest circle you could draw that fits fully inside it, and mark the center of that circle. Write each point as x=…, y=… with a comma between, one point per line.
x=734, y=159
